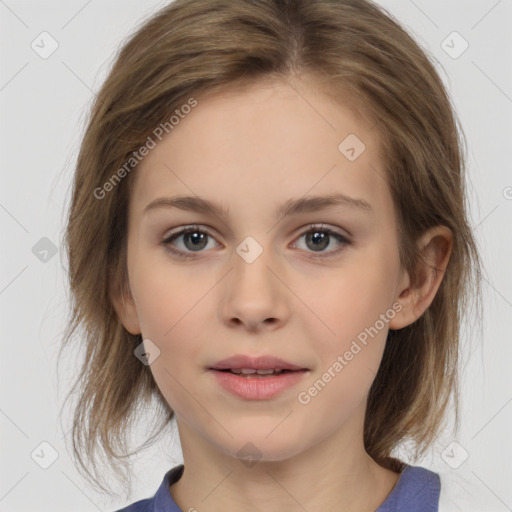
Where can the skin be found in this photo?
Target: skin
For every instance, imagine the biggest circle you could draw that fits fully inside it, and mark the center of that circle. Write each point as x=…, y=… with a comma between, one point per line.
x=251, y=150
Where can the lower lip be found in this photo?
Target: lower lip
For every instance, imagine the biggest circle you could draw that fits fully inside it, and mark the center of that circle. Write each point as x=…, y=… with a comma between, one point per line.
x=258, y=388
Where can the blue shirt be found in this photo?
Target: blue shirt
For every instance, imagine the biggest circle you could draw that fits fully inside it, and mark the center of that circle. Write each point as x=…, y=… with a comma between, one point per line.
x=417, y=490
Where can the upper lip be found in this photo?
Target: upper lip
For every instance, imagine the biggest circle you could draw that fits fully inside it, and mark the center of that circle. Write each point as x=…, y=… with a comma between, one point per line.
x=241, y=361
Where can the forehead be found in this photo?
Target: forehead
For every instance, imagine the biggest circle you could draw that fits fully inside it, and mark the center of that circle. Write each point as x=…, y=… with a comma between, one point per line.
x=265, y=144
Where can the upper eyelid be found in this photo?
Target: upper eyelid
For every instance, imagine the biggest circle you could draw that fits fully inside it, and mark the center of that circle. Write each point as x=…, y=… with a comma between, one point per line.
x=189, y=228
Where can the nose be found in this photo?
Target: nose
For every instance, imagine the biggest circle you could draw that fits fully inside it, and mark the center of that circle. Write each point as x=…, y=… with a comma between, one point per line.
x=254, y=296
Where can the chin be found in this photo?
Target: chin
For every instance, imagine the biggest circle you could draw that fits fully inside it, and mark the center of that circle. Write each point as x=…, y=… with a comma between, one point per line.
x=255, y=446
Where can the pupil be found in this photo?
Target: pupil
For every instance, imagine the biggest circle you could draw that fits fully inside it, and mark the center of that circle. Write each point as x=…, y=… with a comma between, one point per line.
x=320, y=240
x=196, y=237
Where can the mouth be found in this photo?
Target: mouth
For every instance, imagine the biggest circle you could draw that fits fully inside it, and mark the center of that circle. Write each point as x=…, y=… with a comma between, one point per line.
x=257, y=378
x=257, y=384
x=257, y=373
x=245, y=365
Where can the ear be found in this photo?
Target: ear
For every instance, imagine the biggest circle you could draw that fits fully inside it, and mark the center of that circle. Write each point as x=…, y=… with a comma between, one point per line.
x=126, y=310
x=416, y=293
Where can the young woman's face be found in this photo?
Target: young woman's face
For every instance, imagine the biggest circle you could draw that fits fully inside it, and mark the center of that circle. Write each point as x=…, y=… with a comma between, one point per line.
x=259, y=282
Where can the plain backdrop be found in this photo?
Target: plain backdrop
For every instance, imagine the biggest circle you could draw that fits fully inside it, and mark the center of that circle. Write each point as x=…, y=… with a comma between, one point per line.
x=43, y=105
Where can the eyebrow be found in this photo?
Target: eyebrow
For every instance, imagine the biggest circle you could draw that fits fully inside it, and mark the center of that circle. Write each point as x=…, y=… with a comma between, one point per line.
x=289, y=208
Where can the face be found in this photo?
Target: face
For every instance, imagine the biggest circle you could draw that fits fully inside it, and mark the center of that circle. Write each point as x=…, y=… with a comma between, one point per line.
x=314, y=286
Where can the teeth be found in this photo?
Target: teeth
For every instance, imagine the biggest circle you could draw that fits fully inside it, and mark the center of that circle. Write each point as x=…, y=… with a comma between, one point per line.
x=247, y=371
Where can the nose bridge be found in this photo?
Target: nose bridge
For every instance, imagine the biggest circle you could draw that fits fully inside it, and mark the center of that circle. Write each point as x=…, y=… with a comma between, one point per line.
x=251, y=262
x=254, y=293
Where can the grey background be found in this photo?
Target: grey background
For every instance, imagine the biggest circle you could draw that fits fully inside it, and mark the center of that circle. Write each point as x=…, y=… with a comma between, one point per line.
x=43, y=105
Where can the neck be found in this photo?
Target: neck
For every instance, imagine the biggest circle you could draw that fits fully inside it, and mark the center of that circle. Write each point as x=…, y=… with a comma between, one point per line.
x=336, y=474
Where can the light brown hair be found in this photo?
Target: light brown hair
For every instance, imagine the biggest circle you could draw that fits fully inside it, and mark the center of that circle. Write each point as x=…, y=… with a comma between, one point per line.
x=194, y=47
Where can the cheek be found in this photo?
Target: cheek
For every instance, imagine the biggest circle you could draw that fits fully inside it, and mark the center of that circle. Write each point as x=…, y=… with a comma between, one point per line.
x=166, y=296
x=349, y=348
x=347, y=324
x=172, y=317
x=346, y=301
x=170, y=308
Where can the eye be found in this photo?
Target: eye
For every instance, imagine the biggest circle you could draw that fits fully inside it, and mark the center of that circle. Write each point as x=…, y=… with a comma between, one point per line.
x=318, y=238
x=195, y=240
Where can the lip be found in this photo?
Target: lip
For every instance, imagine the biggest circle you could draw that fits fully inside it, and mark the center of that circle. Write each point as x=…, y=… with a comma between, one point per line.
x=253, y=387
x=265, y=362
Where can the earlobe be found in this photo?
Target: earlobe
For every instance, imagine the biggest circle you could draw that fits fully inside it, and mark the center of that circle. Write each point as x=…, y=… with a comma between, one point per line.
x=126, y=312
x=415, y=295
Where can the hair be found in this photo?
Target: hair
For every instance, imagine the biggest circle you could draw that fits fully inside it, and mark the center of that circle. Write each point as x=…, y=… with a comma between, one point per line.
x=194, y=47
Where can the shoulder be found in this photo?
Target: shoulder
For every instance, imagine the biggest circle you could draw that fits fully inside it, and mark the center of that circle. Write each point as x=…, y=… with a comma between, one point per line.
x=162, y=500
x=420, y=489
x=417, y=490
x=146, y=505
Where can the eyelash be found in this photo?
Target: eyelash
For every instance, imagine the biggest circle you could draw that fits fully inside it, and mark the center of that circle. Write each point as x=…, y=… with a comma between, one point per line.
x=193, y=229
